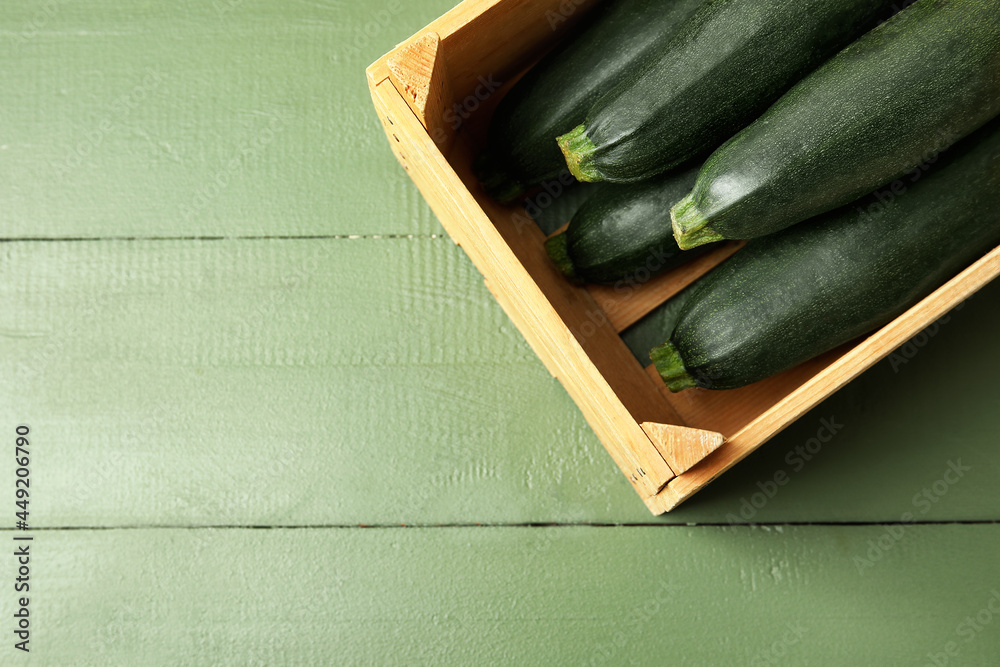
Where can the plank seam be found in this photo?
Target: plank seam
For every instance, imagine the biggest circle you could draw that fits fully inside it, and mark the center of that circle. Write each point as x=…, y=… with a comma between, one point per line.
x=326, y=237
x=789, y=524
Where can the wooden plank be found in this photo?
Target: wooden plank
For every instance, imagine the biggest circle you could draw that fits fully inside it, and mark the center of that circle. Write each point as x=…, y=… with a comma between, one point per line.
x=514, y=596
x=185, y=374
x=252, y=382
x=223, y=118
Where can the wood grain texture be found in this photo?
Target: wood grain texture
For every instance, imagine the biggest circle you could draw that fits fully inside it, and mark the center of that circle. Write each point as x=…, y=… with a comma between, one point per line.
x=222, y=118
x=526, y=596
x=426, y=86
x=682, y=453
x=262, y=382
x=342, y=381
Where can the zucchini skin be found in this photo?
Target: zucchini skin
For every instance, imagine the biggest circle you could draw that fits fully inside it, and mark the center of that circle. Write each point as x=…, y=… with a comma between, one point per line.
x=789, y=297
x=554, y=96
x=622, y=233
x=882, y=106
x=726, y=65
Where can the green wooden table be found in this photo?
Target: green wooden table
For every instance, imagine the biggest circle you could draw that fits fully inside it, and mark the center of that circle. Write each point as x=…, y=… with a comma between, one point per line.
x=276, y=418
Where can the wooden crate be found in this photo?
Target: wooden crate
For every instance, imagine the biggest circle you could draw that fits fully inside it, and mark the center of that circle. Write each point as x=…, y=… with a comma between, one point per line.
x=668, y=445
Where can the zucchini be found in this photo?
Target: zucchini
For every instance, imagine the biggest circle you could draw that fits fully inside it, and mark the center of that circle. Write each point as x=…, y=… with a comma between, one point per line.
x=791, y=296
x=555, y=95
x=550, y=207
x=725, y=66
x=622, y=233
x=885, y=104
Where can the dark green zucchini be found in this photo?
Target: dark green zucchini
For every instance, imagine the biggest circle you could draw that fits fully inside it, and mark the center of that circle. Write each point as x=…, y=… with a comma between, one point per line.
x=788, y=297
x=555, y=95
x=726, y=65
x=885, y=104
x=622, y=233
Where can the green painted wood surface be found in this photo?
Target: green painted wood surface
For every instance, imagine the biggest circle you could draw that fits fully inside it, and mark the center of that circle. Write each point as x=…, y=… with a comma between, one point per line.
x=402, y=394
x=518, y=596
x=221, y=117
x=299, y=345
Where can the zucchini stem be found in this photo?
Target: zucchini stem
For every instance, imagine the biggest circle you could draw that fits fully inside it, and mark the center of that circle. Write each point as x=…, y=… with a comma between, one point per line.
x=669, y=364
x=691, y=227
x=496, y=180
x=578, y=150
x=558, y=250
